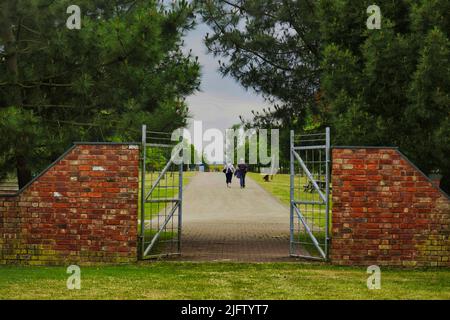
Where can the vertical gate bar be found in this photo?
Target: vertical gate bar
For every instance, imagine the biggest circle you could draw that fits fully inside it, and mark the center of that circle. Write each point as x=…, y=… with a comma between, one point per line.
x=291, y=192
x=180, y=197
x=327, y=186
x=143, y=146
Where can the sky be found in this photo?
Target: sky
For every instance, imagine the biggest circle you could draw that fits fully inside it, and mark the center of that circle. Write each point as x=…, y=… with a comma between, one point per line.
x=221, y=100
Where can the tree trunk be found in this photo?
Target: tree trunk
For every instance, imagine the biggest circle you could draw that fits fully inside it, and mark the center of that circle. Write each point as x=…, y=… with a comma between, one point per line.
x=12, y=70
x=23, y=171
x=14, y=97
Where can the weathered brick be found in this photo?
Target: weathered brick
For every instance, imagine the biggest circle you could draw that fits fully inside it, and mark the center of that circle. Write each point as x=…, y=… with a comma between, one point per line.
x=39, y=228
x=386, y=212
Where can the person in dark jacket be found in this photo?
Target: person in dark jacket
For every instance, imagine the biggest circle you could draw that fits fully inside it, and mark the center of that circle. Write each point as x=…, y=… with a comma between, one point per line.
x=241, y=172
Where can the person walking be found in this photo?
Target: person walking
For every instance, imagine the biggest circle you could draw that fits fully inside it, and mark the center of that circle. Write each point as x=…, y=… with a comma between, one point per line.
x=228, y=169
x=241, y=171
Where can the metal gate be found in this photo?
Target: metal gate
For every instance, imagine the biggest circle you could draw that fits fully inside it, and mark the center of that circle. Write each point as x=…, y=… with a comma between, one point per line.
x=160, y=197
x=309, y=195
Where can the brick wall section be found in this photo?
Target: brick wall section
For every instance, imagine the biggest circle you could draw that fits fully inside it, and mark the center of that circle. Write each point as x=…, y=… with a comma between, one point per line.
x=83, y=209
x=386, y=211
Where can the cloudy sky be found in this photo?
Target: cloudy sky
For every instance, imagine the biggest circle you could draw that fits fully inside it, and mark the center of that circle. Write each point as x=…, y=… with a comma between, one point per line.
x=220, y=100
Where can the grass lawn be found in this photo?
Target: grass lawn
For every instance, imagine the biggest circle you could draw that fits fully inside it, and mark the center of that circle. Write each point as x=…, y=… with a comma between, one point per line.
x=171, y=180
x=177, y=280
x=279, y=188
x=280, y=185
x=159, y=211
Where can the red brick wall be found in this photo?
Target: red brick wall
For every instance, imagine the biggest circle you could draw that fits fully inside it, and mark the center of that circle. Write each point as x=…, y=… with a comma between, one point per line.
x=83, y=209
x=386, y=211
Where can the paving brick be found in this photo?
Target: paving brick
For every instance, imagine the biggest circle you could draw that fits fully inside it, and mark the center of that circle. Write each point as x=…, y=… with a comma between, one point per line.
x=221, y=224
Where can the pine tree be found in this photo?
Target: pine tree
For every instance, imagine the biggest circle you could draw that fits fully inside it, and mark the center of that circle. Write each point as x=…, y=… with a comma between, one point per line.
x=321, y=64
x=123, y=68
x=391, y=86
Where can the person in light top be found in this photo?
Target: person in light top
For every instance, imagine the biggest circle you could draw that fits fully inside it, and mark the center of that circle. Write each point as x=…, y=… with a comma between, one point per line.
x=228, y=169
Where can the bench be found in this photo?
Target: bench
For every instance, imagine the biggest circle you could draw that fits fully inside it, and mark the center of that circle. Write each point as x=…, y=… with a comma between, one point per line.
x=309, y=187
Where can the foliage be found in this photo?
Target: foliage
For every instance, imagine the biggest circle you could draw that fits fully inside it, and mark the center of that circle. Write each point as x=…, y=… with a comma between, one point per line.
x=391, y=86
x=18, y=125
x=321, y=66
x=269, y=46
x=123, y=68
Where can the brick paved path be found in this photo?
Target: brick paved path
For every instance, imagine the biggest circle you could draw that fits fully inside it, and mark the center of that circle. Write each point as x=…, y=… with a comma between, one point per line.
x=232, y=224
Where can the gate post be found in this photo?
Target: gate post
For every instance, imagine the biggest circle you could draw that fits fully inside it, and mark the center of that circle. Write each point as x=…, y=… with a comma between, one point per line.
x=180, y=196
x=291, y=193
x=327, y=189
x=143, y=146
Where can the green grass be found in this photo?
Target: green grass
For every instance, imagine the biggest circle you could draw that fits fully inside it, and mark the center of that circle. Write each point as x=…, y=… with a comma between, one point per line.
x=153, y=209
x=175, y=280
x=279, y=187
x=165, y=244
x=171, y=178
x=280, y=184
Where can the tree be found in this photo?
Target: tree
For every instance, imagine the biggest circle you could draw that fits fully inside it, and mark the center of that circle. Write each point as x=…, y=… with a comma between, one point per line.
x=123, y=68
x=390, y=86
x=271, y=47
x=373, y=87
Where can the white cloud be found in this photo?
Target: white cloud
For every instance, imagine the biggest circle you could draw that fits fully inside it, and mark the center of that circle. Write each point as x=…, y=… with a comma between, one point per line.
x=221, y=100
